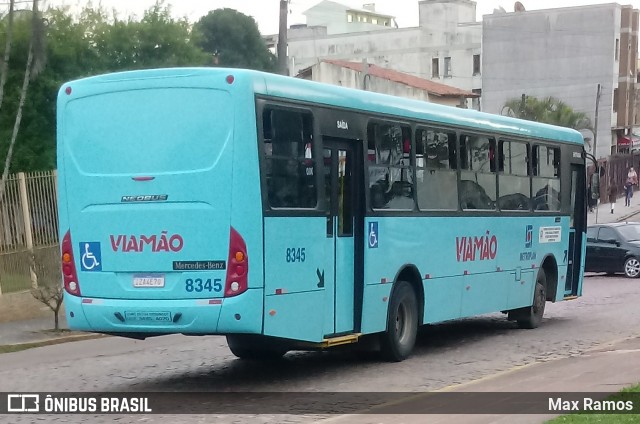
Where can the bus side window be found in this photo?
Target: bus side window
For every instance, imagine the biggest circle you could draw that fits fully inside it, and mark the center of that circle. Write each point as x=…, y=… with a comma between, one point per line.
x=513, y=183
x=436, y=175
x=390, y=171
x=290, y=165
x=546, y=179
x=477, y=175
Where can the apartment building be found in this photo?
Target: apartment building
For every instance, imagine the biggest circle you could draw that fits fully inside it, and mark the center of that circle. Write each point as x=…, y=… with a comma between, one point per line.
x=567, y=53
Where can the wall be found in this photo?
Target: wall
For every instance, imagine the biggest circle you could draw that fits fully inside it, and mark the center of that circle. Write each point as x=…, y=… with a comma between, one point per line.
x=563, y=53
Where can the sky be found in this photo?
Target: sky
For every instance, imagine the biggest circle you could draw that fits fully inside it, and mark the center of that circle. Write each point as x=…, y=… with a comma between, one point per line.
x=266, y=12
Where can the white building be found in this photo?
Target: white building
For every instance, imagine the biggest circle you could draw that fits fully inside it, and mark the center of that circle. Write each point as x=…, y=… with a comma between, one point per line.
x=566, y=53
x=444, y=48
x=338, y=18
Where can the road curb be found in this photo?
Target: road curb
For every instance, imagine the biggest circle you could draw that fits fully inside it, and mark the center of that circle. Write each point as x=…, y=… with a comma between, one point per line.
x=14, y=347
x=626, y=217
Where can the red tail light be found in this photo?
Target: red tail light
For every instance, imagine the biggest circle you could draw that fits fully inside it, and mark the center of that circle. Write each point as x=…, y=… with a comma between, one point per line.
x=237, y=265
x=69, y=274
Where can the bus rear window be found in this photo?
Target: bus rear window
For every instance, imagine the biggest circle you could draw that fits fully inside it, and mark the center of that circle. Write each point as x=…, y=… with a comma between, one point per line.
x=160, y=130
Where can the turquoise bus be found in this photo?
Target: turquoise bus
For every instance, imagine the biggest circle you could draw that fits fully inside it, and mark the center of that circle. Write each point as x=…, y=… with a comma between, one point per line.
x=288, y=214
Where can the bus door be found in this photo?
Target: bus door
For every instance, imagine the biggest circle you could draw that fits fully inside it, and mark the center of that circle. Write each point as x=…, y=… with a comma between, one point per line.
x=577, y=225
x=342, y=165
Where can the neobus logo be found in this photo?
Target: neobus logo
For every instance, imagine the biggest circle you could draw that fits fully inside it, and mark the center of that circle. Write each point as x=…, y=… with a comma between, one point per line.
x=145, y=198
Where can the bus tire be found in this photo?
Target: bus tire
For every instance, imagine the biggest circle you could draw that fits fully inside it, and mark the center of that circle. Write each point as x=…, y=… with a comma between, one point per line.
x=531, y=317
x=397, y=342
x=250, y=348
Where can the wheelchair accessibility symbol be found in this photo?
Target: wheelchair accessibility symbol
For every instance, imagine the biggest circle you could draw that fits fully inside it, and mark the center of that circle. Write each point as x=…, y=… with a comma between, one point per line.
x=91, y=258
x=373, y=235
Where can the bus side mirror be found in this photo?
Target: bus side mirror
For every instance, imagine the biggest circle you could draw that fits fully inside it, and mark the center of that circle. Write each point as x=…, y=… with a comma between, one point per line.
x=595, y=186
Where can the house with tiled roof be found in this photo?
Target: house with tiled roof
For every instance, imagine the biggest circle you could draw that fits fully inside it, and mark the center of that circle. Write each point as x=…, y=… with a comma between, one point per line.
x=375, y=78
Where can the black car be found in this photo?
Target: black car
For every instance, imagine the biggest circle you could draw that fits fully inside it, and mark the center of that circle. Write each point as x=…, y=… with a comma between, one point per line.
x=614, y=248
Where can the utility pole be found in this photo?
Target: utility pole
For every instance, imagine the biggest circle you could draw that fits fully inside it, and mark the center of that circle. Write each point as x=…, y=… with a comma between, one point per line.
x=595, y=144
x=595, y=124
x=365, y=73
x=282, y=38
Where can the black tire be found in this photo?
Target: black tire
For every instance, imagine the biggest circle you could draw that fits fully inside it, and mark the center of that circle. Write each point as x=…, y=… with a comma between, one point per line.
x=397, y=342
x=531, y=317
x=632, y=267
x=253, y=348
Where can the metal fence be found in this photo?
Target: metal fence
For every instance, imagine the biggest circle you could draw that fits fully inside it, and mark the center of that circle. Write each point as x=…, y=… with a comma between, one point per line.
x=29, y=251
x=613, y=171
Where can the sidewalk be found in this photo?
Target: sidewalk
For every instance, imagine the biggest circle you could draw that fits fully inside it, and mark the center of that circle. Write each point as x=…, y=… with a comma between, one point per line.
x=31, y=331
x=602, y=214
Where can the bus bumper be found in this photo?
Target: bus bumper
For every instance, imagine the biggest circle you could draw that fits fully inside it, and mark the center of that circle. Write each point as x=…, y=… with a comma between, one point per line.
x=239, y=314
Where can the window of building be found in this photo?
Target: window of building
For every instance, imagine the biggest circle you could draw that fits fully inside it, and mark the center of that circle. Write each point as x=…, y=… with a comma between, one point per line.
x=477, y=176
x=390, y=172
x=615, y=99
x=447, y=67
x=349, y=17
x=476, y=64
x=475, y=102
x=546, y=178
x=374, y=21
x=513, y=183
x=435, y=67
x=617, y=51
x=436, y=176
x=289, y=161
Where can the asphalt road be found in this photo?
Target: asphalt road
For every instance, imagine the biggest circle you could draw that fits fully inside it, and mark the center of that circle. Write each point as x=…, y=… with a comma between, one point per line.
x=446, y=354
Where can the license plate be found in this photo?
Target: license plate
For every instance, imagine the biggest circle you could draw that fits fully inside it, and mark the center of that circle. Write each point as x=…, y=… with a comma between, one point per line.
x=148, y=281
x=148, y=316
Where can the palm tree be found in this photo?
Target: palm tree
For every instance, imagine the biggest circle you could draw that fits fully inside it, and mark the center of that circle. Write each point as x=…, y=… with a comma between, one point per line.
x=549, y=110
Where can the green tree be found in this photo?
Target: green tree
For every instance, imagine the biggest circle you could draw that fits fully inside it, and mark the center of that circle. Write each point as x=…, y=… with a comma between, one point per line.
x=157, y=40
x=548, y=110
x=91, y=43
x=233, y=40
x=36, y=57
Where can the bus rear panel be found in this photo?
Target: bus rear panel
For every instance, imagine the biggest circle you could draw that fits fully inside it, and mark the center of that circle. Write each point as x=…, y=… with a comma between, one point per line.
x=148, y=242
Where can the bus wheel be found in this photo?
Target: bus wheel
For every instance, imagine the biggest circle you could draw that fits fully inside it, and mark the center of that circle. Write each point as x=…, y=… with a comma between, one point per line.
x=402, y=324
x=531, y=317
x=247, y=347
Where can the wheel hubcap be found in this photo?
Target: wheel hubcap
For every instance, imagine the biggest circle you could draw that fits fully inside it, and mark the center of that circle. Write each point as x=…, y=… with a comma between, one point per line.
x=632, y=268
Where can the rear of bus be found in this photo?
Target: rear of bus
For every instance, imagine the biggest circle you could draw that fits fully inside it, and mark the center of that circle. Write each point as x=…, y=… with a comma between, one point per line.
x=159, y=198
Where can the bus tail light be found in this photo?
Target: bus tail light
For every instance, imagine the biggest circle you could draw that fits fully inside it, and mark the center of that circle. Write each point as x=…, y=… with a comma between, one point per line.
x=69, y=274
x=237, y=266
